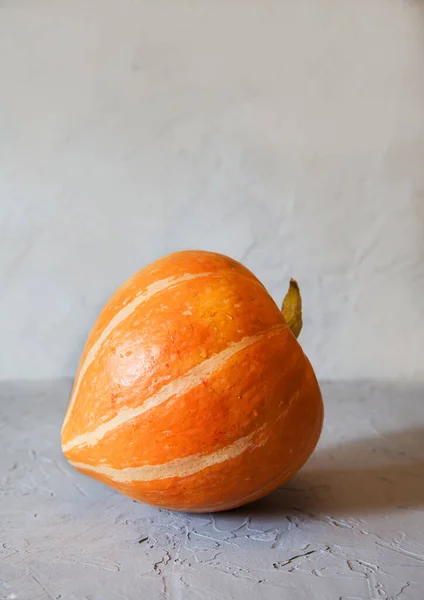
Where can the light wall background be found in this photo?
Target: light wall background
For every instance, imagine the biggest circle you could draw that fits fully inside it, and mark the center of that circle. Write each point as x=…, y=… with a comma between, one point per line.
x=287, y=134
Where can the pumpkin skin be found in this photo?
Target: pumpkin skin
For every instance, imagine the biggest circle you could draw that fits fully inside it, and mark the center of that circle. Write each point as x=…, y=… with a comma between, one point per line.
x=192, y=392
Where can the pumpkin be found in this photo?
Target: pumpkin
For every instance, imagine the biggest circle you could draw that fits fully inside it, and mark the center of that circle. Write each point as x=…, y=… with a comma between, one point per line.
x=193, y=393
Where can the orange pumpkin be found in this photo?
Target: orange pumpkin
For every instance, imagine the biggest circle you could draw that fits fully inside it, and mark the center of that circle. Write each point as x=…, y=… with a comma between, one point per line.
x=192, y=392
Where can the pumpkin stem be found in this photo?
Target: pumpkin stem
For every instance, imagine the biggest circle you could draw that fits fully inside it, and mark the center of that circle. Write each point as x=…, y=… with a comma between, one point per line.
x=292, y=308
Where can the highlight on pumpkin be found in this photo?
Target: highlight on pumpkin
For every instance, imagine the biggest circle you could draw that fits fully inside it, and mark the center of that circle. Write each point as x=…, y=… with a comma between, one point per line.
x=192, y=394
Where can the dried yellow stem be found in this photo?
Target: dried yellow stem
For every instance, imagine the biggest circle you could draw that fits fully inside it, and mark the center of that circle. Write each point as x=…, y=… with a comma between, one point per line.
x=292, y=308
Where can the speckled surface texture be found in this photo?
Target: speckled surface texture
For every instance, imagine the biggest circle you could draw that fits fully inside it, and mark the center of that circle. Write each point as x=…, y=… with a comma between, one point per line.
x=348, y=526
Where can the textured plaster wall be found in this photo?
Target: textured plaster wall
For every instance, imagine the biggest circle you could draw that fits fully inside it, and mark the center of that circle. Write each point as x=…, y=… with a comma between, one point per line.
x=289, y=135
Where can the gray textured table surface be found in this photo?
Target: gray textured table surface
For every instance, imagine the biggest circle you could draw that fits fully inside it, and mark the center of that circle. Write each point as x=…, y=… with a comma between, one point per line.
x=350, y=525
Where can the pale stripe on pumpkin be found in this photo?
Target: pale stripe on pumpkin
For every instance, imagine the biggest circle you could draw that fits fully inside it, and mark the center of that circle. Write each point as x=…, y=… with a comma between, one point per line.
x=175, y=389
x=179, y=467
x=124, y=313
